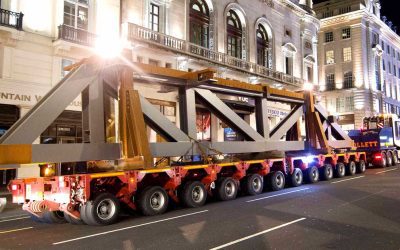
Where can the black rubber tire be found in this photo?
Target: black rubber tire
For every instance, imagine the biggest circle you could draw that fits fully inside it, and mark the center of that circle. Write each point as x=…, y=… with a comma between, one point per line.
x=361, y=167
x=326, y=172
x=276, y=181
x=296, y=179
x=312, y=174
x=252, y=184
x=103, y=210
x=340, y=170
x=351, y=168
x=395, y=158
x=84, y=214
x=153, y=200
x=383, y=162
x=227, y=189
x=194, y=194
x=72, y=220
x=388, y=159
x=37, y=219
x=53, y=217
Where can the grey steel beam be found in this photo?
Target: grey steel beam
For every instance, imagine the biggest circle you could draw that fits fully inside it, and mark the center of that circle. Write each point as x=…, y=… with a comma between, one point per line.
x=171, y=149
x=75, y=152
x=287, y=123
x=160, y=123
x=262, y=121
x=187, y=111
x=30, y=126
x=96, y=112
x=227, y=115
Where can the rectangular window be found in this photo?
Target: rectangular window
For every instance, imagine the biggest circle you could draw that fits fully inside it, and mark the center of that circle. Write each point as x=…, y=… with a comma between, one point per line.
x=328, y=37
x=344, y=10
x=375, y=39
x=383, y=65
x=346, y=33
x=65, y=63
x=383, y=45
x=388, y=49
x=349, y=104
x=340, y=105
x=394, y=70
x=390, y=68
x=330, y=81
x=348, y=80
x=327, y=14
x=76, y=14
x=154, y=17
x=347, y=54
x=330, y=57
x=310, y=77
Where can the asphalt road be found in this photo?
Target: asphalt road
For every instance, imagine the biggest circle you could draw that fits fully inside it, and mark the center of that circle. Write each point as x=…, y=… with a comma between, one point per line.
x=360, y=212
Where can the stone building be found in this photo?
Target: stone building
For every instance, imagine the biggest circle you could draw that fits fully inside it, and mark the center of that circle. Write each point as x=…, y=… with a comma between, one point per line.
x=260, y=41
x=359, y=60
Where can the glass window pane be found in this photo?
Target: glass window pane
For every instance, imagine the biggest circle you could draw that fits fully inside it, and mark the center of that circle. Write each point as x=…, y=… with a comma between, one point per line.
x=82, y=18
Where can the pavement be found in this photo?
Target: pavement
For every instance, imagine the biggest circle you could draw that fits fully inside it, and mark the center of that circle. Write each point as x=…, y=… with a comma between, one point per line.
x=358, y=212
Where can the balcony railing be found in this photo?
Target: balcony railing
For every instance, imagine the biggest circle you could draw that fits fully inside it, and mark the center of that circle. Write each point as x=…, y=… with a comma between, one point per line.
x=77, y=36
x=11, y=19
x=139, y=33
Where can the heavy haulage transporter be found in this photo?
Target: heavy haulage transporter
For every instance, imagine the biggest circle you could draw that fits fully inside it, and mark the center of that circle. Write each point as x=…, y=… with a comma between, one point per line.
x=196, y=170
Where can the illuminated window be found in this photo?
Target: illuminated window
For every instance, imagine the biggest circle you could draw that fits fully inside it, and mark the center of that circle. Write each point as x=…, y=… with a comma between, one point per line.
x=347, y=54
x=346, y=33
x=76, y=14
x=154, y=17
x=328, y=37
x=330, y=57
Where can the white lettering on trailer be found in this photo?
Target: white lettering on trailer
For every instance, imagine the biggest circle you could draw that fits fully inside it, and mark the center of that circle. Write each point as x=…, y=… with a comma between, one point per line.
x=349, y=179
x=381, y=172
x=126, y=228
x=275, y=195
x=257, y=234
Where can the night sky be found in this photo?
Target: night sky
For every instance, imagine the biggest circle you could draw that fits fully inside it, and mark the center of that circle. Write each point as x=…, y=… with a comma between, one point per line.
x=389, y=9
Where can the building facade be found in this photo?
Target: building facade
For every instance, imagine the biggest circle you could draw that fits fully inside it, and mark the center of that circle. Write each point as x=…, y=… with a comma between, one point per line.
x=359, y=55
x=265, y=41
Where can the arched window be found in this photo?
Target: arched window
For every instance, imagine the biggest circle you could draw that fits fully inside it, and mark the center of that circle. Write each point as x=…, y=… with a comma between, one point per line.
x=199, y=23
x=234, y=34
x=263, y=53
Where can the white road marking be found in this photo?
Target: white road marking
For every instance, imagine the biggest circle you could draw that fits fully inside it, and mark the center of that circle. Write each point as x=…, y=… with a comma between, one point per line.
x=257, y=234
x=15, y=230
x=349, y=179
x=130, y=227
x=19, y=218
x=275, y=195
x=381, y=172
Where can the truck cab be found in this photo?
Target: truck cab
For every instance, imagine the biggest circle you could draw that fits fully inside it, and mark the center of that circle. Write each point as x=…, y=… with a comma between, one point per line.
x=380, y=138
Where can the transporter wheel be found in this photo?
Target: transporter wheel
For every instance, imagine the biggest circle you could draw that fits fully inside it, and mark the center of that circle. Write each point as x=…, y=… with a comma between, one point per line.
x=153, y=200
x=35, y=218
x=395, y=158
x=72, y=220
x=312, y=174
x=351, y=168
x=227, y=189
x=194, y=194
x=253, y=184
x=389, y=159
x=361, y=166
x=53, y=217
x=383, y=161
x=326, y=172
x=340, y=170
x=276, y=181
x=296, y=179
x=103, y=210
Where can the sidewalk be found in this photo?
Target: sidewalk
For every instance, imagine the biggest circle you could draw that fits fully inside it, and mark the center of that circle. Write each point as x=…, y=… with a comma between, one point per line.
x=11, y=209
